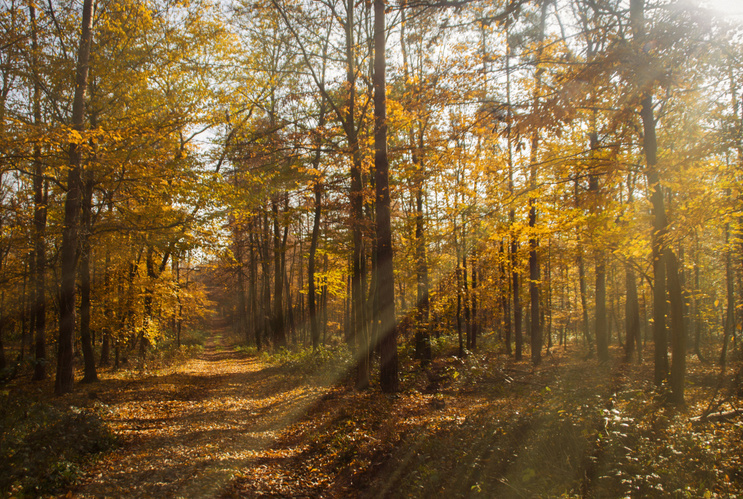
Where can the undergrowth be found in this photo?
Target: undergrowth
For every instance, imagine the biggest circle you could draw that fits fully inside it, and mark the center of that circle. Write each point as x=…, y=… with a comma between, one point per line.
x=326, y=364
x=44, y=447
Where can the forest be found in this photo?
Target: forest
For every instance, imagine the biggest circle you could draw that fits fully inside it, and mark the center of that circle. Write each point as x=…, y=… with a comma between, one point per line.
x=328, y=248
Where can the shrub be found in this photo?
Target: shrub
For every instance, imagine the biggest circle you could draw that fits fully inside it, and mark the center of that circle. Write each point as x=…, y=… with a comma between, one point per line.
x=42, y=446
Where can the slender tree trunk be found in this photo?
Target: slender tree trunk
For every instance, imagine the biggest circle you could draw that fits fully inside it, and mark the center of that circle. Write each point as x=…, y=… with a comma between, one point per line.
x=266, y=270
x=473, y=296
x=602, y=342
x=650, y=148
x=65, y=358
x=678, y=330
x=3, y=361
x=584, y=301
x=85, y=255
x=41, y=189
x=422, y=333
x=466, y=299
x=317, y=190
x=660, y=338
x=311, y=294
x=462, y=350
x=697, y=306
x=632, y=316
x=505, y=298
x=358, y=327
x=253, y=285
x=534, y=277
x=385, y=274
x=729, y=324
x=279, y=334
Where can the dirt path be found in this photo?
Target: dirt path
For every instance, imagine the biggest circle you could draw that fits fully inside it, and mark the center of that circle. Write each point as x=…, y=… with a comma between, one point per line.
x=185, y=434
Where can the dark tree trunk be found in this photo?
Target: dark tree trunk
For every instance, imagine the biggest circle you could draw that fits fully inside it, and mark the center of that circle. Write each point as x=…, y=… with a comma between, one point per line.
x=311, y=291
x=65, y=358
x=650, y=148
x=85, y=256
x=462, y=350
x=584, y=302
x=519, y=339
x=632, y=317
x=266, y=271
x=41, y=190
x=357, y=324
x=534, y=277
x=473, y=295
x=279, y=333
x=105, y=358
x=660, y=337
x=3, y=361
x=242, y=294
x=602, y=342
x=466, y=297
x=254, y=317
x=678, y=330
x=505, y=298
x=385, y=275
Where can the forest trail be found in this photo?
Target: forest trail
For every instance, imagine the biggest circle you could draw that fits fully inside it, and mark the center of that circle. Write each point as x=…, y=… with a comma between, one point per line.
x=186, y=433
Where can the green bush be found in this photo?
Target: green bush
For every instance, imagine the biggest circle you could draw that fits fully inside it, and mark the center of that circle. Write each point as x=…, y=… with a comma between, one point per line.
x=43, y=447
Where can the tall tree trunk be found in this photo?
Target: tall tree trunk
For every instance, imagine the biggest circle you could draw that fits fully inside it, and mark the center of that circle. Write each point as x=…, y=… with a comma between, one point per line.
x=317, y=190
x=266, y=271
x=632, y=316
x=3, y=361
x=458, y=275
x=242, y=292
x=534, y=277
x=41, y=190
x=473, y=296
x=85, y=255
x=466, y=295
x=602, y=321
x=105, y=358
x=505, y=297
x=602, y=341
x=650, y=148
x=678, y=330
x=660, y=338
x=422, y=331
x=311, y=291
x=512, y=213
x=729, y=325
x=356, y=195
x=279, y=334
x=385, y=275
x=253, y=285
x=65, y=358
x=584, y=301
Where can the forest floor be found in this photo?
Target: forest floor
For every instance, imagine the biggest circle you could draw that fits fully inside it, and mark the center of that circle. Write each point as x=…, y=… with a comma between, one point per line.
x=227, y=423
x=187, y=432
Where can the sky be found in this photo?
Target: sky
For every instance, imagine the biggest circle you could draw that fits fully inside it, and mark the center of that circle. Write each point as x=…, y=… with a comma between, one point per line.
x=728, y=7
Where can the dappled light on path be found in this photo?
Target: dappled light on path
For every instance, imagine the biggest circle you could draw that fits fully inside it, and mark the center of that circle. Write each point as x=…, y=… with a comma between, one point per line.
x=187, y=433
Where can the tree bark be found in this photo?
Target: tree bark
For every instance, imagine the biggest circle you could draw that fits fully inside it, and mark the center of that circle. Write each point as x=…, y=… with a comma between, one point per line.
x=632, y=316
x=678, y=330
x=65, y=358
x=388, y=376
x=85, y=337
x=41, y=190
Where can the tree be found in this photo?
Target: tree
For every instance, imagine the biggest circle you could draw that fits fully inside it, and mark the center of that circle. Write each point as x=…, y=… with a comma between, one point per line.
x=65, y=372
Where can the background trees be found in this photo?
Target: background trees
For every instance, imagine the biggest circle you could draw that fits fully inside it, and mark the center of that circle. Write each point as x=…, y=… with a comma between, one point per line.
x=576, y=160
